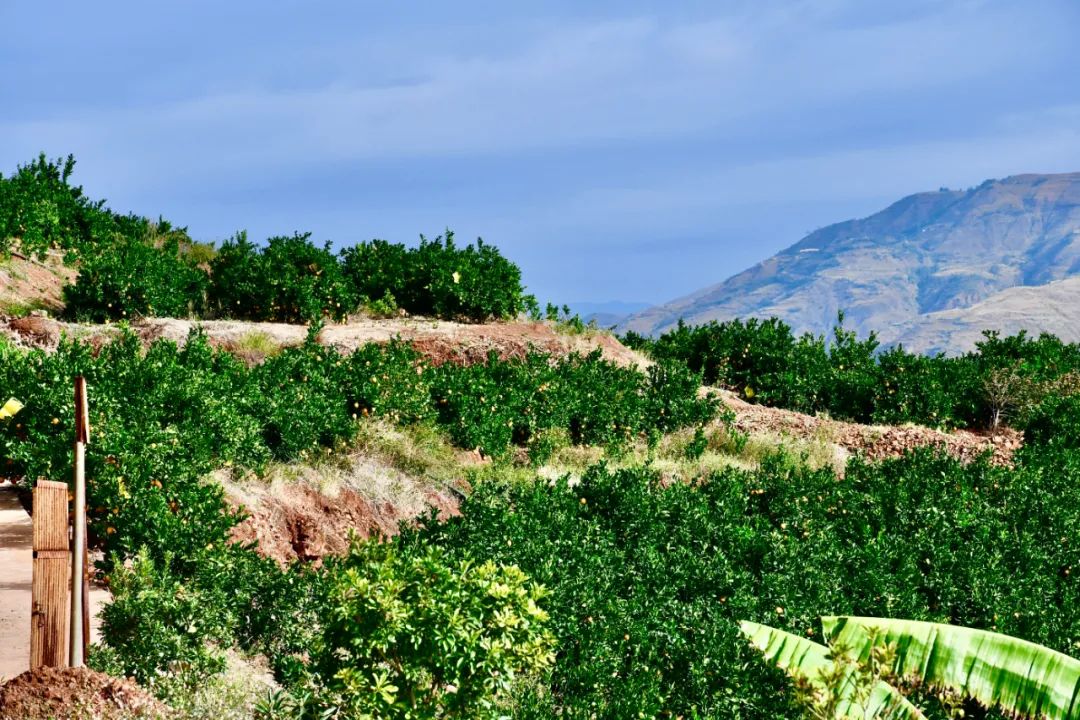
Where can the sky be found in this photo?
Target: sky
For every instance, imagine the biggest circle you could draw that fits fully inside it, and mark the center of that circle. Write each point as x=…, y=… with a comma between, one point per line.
x=629, y=151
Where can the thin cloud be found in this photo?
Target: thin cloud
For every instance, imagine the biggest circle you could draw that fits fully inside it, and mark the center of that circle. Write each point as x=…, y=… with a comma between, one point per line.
x=621, y=127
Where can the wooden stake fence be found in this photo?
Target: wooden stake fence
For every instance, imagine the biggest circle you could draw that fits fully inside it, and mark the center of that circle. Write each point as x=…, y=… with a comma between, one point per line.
x=58, y=637
x=50, y=588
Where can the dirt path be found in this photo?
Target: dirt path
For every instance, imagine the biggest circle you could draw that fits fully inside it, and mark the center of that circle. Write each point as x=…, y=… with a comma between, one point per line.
x=16, y=572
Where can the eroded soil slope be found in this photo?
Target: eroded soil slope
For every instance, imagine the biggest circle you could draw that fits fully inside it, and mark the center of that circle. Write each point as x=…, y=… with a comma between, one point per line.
x=872, y=441
x=438, y=339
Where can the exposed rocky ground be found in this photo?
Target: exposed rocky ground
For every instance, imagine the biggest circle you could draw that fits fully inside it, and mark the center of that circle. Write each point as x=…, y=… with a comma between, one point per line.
x=299, y=520
x=28, y=284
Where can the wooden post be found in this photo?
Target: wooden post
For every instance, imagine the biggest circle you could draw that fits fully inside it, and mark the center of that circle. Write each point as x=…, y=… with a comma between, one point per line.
x=49, y=593
x=79, y=606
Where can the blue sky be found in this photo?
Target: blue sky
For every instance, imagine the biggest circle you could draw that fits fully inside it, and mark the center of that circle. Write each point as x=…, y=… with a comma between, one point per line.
x=615, y=150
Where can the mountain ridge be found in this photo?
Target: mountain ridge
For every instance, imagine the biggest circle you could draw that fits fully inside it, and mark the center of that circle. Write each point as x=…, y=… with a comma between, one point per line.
x=926, y=253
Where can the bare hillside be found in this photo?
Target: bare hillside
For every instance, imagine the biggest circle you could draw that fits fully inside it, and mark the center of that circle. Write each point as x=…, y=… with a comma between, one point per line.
x=929, y=253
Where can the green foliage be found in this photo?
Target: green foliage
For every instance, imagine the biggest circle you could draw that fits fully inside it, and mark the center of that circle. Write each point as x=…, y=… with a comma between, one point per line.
x=288, y=280
x=165, y=417
x=423, y=637
x=128, y=267
x=830, y=684
x=391, y=381
x=697, y=445
x=637, y=341
x=157, y=623
x=848, y=378
x=647, y=580
x=303, y=407
x=1055, y=424
x=161, y=420
x=131, y=277
x=1023, y=679
x=168, y=629
x=437, y=279
x=494, y=405
x=40, y=209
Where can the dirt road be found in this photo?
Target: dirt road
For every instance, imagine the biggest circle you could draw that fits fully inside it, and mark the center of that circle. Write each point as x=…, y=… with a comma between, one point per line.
x=16, y=572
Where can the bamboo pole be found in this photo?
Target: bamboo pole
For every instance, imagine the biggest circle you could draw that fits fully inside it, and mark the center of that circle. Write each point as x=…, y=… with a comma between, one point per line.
x=79, y=609
x=50, y=588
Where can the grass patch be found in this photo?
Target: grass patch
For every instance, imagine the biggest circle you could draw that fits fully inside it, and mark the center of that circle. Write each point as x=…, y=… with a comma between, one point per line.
x=22, y=308
x=231, y=695
x=254, y=346
x=422, y=451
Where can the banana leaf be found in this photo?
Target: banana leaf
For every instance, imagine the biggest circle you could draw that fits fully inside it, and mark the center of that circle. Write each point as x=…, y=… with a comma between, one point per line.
x=804, y=658
x=1020, y=677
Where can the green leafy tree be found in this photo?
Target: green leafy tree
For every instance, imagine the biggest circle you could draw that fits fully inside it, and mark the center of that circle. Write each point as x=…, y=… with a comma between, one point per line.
x=289, y=280
x=40, y=210
x=128, y=277
x=437, y=279
x=419, y=636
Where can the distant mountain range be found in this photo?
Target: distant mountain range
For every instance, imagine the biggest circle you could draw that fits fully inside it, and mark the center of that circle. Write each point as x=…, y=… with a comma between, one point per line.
x=606, y=314
x=930, y=271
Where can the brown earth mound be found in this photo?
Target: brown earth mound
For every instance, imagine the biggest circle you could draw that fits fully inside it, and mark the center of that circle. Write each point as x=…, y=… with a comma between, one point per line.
x=297, y=522
x=82, y=694
x=439, y=340
x=872, y=441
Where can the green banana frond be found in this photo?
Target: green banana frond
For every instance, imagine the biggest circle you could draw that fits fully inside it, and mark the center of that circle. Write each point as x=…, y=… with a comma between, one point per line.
x=802, y=658
x=1020, y=677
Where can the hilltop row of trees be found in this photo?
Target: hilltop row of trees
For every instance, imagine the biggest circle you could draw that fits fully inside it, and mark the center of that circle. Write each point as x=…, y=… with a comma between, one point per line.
x=130, y=266
x=1005, y=380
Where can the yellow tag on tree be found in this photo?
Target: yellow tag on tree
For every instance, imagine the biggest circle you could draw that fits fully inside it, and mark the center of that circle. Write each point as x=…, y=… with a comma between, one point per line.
x=11, y=407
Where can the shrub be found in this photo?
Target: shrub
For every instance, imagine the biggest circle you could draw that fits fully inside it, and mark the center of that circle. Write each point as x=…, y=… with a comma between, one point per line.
x=1055, y=423
x=418, y=636
x=131, y=266
x=289, y=280
x=671, y=398
x=383, y=271
x=129, y=277
x=391, y=381
x=437, y=278
x=647, y=580
x=40, y=209
x=848, y=378
x=159, y=626
x=500, y=403
x=917, y=387
x=303, y=407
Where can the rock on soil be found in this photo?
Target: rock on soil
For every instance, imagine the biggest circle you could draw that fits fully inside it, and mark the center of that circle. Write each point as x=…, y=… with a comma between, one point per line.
x=76, y=693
